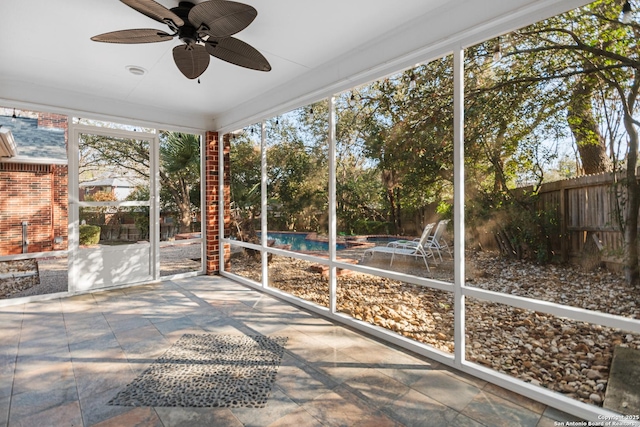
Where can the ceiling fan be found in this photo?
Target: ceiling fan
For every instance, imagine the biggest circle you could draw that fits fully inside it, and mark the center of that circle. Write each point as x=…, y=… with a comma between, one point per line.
x=205, y=29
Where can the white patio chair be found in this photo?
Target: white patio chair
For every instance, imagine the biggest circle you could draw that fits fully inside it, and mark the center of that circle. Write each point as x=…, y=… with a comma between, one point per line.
x=415, y=248
x=436, y=243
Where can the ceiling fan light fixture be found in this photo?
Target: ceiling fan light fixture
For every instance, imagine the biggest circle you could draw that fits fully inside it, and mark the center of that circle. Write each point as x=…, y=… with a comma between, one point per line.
x=136, y=70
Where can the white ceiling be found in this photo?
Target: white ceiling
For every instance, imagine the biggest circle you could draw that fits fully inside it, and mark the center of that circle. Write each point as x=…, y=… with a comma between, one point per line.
x=314, y=47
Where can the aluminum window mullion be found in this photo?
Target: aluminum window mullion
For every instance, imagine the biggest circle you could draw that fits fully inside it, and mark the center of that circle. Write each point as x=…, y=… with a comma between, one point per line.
x=73, y=188
x=333, y=281
x=154, y=207
x=458, y=207
x=264, y=225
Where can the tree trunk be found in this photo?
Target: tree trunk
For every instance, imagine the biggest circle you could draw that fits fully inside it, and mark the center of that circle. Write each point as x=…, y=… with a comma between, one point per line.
x=631, y=271
x=389, y=181
x=398, y=212
x=185, y=217
x=392, y=208
x=591, y=145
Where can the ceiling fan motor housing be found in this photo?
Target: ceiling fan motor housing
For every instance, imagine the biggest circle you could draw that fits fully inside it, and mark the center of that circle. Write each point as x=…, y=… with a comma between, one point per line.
x=187, y=33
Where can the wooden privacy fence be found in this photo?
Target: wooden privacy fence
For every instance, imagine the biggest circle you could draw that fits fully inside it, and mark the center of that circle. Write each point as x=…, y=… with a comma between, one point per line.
x=586, y=206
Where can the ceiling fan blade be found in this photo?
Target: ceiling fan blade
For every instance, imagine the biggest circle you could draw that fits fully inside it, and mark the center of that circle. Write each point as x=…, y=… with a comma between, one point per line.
x=144, y=35
x=155, y=11
x=237, y=52
x=192, y=60
x=222, y=18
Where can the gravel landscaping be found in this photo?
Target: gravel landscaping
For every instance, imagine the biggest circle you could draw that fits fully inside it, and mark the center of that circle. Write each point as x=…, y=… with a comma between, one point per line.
x=17, y=276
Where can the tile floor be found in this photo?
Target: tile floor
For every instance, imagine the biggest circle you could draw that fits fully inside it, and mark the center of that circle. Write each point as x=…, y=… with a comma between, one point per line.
x=62, y=360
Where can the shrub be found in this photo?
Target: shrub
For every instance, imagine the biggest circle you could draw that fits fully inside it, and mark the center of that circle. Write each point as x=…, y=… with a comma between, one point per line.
x=89, y=234
x=363, y=226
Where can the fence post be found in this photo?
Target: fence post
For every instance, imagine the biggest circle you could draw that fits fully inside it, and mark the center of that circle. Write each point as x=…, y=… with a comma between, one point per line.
x=564, y=241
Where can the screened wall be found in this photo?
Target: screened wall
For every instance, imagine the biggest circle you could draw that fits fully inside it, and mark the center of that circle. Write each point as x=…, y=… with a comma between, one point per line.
x=420, y=207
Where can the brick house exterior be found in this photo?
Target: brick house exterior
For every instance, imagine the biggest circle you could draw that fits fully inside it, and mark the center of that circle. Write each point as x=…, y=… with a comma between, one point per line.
x=33, y=186
x=35, y=190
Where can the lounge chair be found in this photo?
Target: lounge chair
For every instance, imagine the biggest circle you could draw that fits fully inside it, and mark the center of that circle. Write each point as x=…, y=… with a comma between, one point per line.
x=415, y=248
x=436, y=243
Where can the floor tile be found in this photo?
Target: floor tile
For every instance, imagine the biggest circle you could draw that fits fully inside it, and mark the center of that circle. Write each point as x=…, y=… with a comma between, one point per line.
x=463, y=421
x=446, y=388
x=197, y=417
x=342, y=408
x=182, y=325
x=277, y=406
x=376, y=387
x=119, y=322
x=95, y=408
x=416, y=409
x=32, y=403
x=298, y=417
x=103, y=348
x=516, y=398
x=400, y=366
x=495, y=411
x=43, y=373
x=67, y=414
x=558, y=415
x=337, y=365
x=97, y=377
x=139, y=417
x=547, y=422
x=5, y=402
x=303, y=383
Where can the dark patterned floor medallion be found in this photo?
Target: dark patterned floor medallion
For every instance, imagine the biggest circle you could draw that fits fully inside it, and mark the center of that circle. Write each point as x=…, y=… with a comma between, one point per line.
x=209, y=371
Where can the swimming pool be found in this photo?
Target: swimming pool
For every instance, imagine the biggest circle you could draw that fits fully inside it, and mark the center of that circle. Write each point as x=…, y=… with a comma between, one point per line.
x=299, y=242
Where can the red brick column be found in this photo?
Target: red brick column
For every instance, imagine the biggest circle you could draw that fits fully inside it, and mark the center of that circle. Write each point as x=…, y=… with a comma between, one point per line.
x=212, y=199
x=60, y=207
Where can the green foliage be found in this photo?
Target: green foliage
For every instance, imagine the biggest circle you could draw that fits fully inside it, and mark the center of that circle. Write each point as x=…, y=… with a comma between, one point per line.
x=89, y=234
x=140, y=214
x=245, y=184
x=297, y=172
x=180, y=175
x=363, y=226
x=445, y=209
x=522, y=227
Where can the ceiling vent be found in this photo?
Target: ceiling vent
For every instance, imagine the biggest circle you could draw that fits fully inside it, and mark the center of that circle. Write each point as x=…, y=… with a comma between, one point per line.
x=7, y=143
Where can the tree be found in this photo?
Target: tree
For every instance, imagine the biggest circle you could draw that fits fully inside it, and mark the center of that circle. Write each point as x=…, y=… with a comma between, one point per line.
x=140, y=214
x=293, y=189
x=245, y=173
x=590, y=47
x=583, y=124
x=180, y=173
x=103, y=156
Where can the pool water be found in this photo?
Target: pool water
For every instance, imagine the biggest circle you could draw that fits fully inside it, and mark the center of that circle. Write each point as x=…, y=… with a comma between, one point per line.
x=299, y=242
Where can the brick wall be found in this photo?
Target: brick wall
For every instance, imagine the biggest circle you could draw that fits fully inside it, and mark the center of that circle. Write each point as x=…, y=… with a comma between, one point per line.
x=60, y=208
x=53, y=121
x=36, y=194
x=212, y=198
